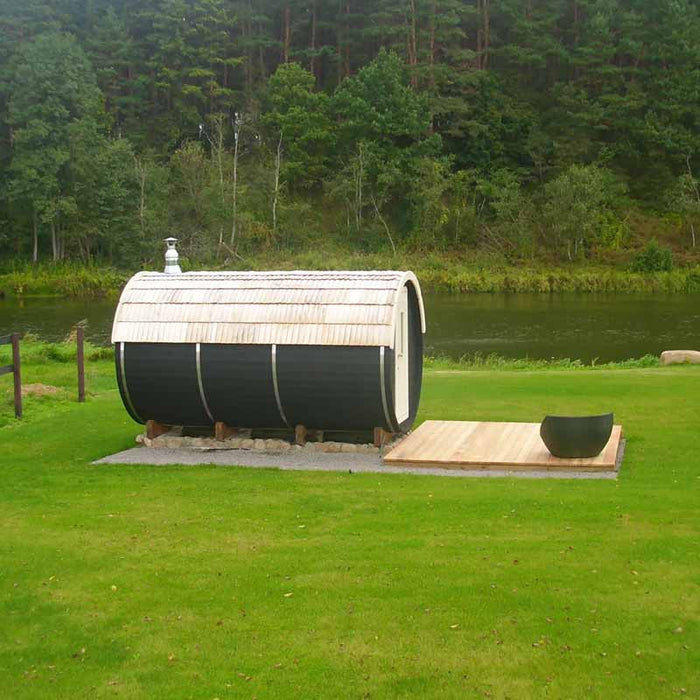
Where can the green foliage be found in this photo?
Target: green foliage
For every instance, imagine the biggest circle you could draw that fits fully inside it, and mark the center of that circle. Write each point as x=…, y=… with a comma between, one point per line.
x=485, y=127
x=437, y=125
x=53, y=83
x=684, y=199
x=492, y=362
x=62, y=279
x=577, y=205
x=191, y=190
x=298, y=118
x=431, y=205
x=654, y=258
x=65, y=172
x=106, y=188
x=36, y=352
x=438, y=272
x=379, y=106
x=384, y=137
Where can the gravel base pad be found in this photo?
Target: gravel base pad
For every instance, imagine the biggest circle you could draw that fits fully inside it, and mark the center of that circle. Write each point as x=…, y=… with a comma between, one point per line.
x=322, y=461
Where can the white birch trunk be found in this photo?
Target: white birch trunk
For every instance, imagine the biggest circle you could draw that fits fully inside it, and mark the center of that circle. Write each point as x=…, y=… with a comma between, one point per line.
x=278, y=162
x=54, y=242
x=35, y=240
x=236, y=131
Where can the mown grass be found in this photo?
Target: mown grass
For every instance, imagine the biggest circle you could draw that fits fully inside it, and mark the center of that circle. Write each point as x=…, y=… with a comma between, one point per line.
x=204, y=582
x=436, y=272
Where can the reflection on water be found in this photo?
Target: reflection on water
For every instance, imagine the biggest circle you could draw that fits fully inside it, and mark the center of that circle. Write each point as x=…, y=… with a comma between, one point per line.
x=52, y=318
x=584, y=326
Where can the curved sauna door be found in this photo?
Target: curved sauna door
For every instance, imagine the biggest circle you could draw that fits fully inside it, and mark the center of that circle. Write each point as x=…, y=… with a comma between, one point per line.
x=401, y=358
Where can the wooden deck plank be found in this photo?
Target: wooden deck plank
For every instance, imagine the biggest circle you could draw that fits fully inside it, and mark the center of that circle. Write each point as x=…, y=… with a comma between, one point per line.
x=437, y=439
x=490, y=445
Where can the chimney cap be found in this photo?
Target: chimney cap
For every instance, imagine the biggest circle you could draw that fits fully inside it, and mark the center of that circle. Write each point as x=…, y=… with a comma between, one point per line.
x=171, y=257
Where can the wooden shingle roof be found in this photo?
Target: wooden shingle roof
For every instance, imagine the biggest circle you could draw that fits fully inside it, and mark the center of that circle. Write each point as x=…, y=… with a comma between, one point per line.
x=286, y=308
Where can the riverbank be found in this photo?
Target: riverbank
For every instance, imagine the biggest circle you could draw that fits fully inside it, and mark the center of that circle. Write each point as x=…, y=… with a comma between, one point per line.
x=62, y=280
x=437, y=273
x=219, y=580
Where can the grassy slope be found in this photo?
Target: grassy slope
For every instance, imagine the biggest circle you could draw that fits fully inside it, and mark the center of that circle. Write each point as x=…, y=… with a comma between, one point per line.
x=436, y=272
x=248, y=583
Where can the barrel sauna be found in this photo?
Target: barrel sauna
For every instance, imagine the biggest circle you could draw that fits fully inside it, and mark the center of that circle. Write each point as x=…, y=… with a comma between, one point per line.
x=334, y=351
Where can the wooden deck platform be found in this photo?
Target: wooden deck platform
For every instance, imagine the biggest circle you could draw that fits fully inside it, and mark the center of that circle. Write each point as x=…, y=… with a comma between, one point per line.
x=501, y=446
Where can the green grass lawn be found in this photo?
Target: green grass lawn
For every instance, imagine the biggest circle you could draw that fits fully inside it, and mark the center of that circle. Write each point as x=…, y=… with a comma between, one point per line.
x=219, y=582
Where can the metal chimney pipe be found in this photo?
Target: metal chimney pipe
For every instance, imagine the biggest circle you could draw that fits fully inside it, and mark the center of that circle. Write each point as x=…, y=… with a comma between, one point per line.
x=171, y=258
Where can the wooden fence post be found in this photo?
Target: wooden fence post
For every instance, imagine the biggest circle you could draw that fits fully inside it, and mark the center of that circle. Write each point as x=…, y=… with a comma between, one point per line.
x=80, y=339
x=17, y=375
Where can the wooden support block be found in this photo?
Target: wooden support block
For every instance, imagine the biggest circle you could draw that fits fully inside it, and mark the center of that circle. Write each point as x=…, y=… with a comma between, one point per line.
x=154, y=429
x=223, y=431
x=300, y=435
x=381, y=437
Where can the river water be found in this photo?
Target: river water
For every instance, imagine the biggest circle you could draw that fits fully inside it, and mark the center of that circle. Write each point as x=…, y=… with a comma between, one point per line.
x=539, y=326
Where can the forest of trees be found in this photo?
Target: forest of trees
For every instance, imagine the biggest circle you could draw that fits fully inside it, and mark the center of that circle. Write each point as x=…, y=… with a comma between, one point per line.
x=555, y=129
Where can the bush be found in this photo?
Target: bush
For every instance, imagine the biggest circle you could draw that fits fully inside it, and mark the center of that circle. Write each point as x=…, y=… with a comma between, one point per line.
x=654, y=258
x=579, y=209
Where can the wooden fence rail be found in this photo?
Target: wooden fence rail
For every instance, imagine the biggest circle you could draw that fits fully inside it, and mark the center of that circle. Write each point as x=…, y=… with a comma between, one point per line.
x=15, y=369
x=80, y=355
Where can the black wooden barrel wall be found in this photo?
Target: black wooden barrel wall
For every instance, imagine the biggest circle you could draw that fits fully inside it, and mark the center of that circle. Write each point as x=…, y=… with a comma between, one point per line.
x=267, y=387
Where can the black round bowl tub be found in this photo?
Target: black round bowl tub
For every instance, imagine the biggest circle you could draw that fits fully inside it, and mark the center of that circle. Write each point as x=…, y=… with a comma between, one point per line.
x=576, y=436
